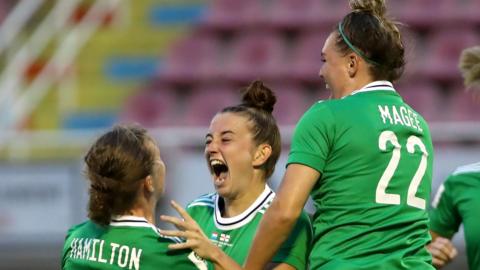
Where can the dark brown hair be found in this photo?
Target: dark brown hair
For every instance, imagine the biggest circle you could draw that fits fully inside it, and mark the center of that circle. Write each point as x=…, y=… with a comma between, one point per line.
x=257, y=105
x=375, y=36
x=114, y=165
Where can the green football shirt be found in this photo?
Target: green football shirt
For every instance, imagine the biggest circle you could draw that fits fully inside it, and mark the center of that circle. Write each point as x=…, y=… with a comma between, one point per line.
x=234, y=235
x=127, y=243
x=374, y=154
x=458, y=201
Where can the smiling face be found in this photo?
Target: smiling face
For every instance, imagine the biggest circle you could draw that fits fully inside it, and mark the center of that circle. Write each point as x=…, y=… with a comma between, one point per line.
x=229, y=151
x=334, y=70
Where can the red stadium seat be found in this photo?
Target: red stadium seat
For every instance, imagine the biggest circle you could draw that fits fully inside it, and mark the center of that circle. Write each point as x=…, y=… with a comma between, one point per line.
x=292, y=102
x=293, y=13
x=306, y=56
x=424, y=98
x=206, y=101
x=462, y=106
x=419, y=13
x=256, y=55
x=191, y=59
x=151, y=108
x=233, y=14
x=443, y=50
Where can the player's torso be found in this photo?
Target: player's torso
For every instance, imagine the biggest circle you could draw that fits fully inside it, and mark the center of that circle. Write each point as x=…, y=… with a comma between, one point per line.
x=376, y=182
x=234, y=238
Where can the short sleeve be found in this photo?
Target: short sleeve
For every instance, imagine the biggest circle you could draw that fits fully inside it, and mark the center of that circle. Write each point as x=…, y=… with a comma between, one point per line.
x=313, y=137
x=295, y=250
x=444, y=217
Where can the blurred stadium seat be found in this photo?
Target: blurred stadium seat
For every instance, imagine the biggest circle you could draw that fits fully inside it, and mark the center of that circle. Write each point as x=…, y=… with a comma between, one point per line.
x=423, y=97
x=191, y=59
x=306, y=55
x=205, y=101
x=256, y=55
x=462, y=106
x=153, y=106
x=233, y=14
x=443, y=50
x=291, y=103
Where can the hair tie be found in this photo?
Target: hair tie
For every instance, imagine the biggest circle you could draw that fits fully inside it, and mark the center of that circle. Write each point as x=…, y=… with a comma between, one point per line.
x=350, y=45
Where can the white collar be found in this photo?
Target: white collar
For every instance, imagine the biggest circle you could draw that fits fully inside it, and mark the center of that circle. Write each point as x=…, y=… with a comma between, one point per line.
x=246, y=216
x=129, y=221
x=375, y=86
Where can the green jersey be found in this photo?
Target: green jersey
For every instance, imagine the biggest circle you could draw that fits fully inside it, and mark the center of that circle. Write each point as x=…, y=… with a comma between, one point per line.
x=374, y=154
x=127, y=243
x=458, y=201
x=234, y=235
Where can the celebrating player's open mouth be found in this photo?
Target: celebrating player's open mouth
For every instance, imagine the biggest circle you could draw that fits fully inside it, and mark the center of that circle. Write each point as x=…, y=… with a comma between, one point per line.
x=219, y=170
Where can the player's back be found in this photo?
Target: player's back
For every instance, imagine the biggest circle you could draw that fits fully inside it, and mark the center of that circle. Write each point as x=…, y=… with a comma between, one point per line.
x=127, y=243
x=376, y=181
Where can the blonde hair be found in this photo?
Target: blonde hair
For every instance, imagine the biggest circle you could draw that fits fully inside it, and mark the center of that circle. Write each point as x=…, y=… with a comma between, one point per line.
x=469, y=65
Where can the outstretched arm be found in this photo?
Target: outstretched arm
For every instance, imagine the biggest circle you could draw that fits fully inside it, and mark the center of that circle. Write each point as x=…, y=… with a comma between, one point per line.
x=282, y=214
x=196, y=240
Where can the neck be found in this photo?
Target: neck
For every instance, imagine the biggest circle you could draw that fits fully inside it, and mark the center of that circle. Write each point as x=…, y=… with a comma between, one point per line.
x=240, y=203
x=356, y=83
x=143, y=209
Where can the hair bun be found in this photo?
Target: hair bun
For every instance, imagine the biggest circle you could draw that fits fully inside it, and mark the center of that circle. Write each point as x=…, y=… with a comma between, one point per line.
x=469, y=65
x=258, y=96
x=377, y=7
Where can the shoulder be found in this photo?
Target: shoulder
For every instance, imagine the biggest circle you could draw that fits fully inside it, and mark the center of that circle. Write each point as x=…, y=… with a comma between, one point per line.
x=207, y=200
x=467, y=169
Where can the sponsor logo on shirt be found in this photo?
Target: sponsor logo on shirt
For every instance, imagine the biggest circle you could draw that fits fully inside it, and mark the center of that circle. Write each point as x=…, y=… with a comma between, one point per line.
x=221, y=239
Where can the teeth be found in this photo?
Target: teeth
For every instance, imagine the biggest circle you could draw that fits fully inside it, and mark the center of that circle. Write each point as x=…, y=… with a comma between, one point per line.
x=215, y=162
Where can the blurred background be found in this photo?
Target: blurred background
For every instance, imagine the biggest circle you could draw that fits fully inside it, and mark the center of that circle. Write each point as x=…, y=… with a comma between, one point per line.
x=70, y=69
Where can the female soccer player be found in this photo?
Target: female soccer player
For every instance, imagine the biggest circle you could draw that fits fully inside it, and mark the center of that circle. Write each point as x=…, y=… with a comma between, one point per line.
x=126, y=176
x=458, y=200
x=241, y=149
x=365, y=157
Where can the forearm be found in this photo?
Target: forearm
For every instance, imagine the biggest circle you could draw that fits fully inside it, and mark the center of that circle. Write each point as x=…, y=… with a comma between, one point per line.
x=223, y=262
x=274, y=229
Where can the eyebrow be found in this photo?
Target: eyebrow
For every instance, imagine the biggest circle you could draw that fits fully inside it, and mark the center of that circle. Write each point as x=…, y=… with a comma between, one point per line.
x=221, y=134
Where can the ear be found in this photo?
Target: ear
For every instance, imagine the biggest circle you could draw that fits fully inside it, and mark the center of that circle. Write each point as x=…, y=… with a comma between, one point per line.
x=352, y=64
x=148, y=184
x=262, y=154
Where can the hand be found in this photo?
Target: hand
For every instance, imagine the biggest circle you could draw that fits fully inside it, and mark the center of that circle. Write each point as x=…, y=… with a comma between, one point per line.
x=188, y=229
x=442, y=251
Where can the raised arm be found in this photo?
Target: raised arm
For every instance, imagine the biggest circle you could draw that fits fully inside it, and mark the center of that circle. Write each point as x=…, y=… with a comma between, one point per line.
x=282, y=214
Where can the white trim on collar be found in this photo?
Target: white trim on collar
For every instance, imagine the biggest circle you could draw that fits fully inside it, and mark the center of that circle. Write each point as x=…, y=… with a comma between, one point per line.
x=246, y=216
x=130, y=221
x=375, y=86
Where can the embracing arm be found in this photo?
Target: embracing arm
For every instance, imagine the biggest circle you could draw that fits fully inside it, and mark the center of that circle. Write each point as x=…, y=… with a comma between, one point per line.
x=282, y=214
x=442, y=250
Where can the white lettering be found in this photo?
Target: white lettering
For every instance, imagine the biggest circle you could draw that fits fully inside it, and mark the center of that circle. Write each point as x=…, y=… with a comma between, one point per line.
x=123, y=249
x=404, y=115
x=92, y=258
x=114, y=247
x=396, y=116
x=135, y=259
x=79, y=254
x=86, y=248
x=385, y=113
x=73, y=246
x=417, y=122
x=100, y=253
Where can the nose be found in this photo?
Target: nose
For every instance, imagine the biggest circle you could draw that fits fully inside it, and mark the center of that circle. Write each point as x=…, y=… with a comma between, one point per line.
x=211, y=147
x=320, y=72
